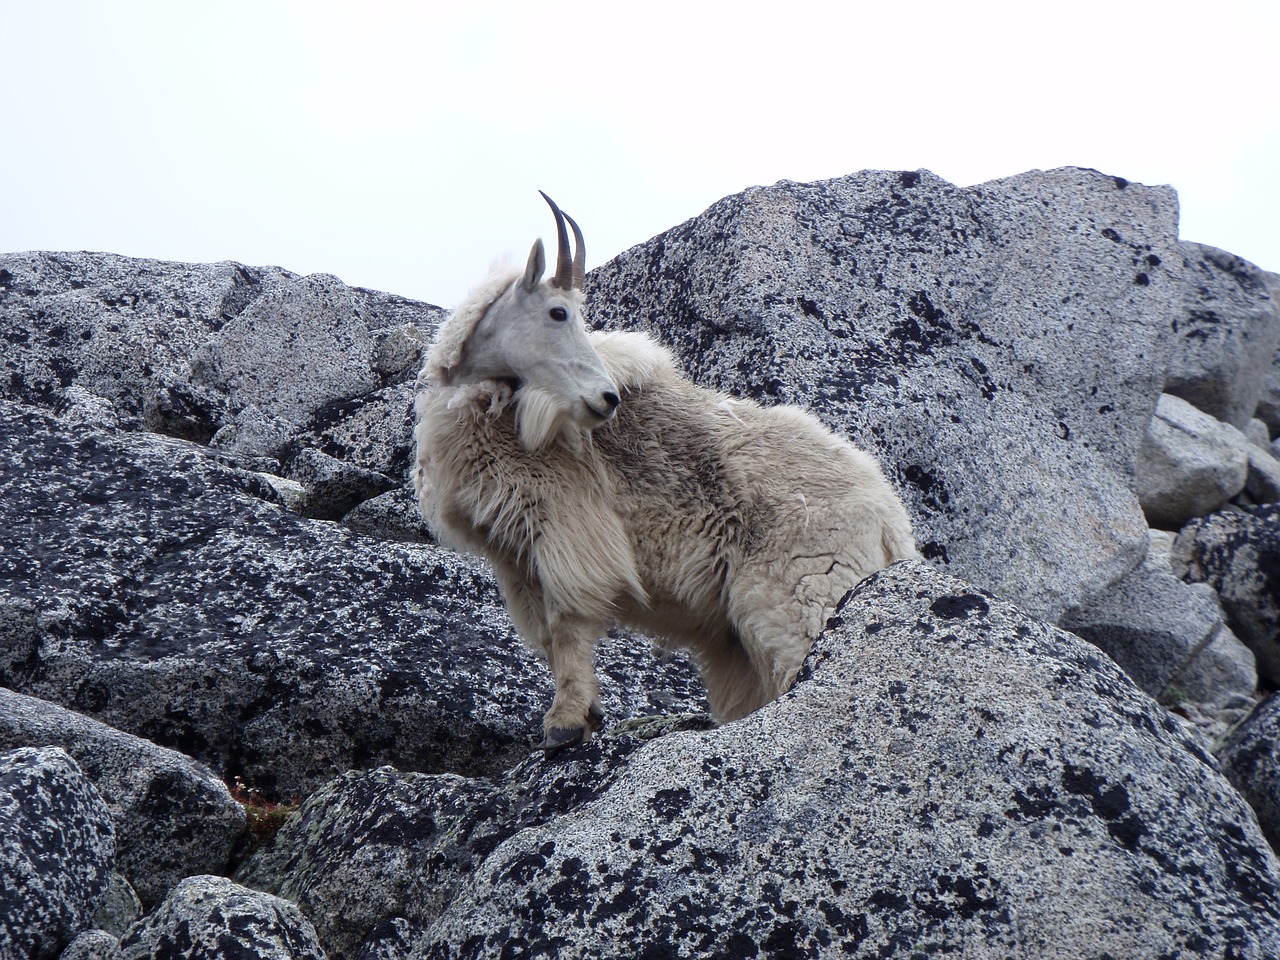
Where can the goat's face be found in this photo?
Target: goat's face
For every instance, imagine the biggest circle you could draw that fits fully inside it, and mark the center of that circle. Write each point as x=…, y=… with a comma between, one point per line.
x=534, y=337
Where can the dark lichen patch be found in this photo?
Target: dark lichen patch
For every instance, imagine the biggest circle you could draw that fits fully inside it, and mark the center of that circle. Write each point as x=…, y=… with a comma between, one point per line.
x=1038, y=801
x=810, y=308
x=1247, y=867
x=960, y=607
x=669, y=805
x=934, y=550
x=923, y=307
x=1109, y=801
x=958, y=895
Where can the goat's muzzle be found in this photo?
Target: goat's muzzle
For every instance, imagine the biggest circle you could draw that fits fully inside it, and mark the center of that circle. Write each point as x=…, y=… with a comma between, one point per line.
x=606, y=406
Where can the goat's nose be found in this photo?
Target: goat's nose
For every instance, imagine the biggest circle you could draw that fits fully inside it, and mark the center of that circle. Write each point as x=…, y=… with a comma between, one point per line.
x=612, y=399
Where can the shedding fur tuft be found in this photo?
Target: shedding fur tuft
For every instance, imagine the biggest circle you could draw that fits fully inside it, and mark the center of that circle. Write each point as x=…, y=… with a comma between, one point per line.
x=451, y=338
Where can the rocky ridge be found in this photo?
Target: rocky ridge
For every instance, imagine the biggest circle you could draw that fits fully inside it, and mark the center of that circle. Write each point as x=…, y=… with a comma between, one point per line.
x=212, y=571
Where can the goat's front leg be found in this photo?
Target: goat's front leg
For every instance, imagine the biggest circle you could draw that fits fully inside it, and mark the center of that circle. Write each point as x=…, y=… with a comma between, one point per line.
x=575, y=712
x=569, y=646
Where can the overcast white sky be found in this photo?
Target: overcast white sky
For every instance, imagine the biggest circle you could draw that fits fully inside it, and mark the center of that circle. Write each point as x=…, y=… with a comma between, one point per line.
x=401, y=145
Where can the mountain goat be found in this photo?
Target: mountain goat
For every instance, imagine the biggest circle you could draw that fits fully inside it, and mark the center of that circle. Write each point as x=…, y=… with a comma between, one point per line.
x=602, y=486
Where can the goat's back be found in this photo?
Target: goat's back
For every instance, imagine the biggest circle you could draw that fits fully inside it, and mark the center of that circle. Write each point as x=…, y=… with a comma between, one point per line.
x=711, y=488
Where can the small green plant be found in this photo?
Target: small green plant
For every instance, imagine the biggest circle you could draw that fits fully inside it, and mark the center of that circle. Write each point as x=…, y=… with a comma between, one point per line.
x=1175, y=699
x=263, y=817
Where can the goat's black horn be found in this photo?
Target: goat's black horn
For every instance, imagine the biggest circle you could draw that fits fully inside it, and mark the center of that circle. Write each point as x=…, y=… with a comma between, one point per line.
x=579, y=256
x=564, y=276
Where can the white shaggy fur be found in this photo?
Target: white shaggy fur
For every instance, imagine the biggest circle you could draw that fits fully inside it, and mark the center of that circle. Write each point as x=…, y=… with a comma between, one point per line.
x=711, y=523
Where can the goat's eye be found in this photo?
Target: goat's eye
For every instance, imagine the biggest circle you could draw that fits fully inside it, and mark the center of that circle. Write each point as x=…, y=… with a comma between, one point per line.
x=559, y=313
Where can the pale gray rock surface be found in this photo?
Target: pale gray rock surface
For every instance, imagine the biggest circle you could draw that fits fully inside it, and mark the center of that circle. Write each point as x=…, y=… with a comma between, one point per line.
x=333, y=487
x=1151, y=624
x=374, y=432
x=1258, y=433
x=57, y=855
x=1215, y=689
x=208, y=917
x=998, y=347
x=393, y=515
x=188, y=349
x=1190, y=465
x=1237, y=552
x=1263, y=482
x=1250, y=759
x=113, y=326
x=380, y=846
x=93, y=945
x=121, y=907
x=156, y=589
x=982, y=783
x=1226, y=331
x=1268, y=410
x=172, y=816
x=374, y=857
x=296, y=348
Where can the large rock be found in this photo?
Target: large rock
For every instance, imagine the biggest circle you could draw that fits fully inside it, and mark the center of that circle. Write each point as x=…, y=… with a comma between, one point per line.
x=999, y=347
x=161, y=592
x=949, y=775
x=1216, y=688
x=377, y=846
x=382, y=853
x=1169, y=636
x=1269, y=398
x=92, y=945
x=208, y=917
x=1237, y=553
x=187, y=349
x=1190, y=465
x=1263, y=482
x=1251, y=760
x=291, y=351
x=172, y=817
x=1226, y=331
x=57, y=854
x=113, y=326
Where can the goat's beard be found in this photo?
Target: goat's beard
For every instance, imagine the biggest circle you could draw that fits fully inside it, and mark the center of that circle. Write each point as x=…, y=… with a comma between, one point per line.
x=541, y=417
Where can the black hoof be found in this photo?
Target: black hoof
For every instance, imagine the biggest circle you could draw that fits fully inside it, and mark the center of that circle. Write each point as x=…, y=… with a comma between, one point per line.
x=558, y=738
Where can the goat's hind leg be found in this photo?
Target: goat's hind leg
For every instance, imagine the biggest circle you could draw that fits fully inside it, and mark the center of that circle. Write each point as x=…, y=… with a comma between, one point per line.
x=779, y=614
x=734, y=685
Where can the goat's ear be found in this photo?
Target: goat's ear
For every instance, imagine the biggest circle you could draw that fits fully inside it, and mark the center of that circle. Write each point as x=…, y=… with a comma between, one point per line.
x=535, y=268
